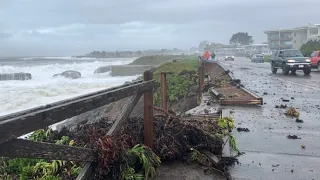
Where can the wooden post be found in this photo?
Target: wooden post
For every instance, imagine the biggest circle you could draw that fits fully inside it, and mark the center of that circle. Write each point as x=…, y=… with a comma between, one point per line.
x=148, y=112
x=201, y=79
x=163, y=90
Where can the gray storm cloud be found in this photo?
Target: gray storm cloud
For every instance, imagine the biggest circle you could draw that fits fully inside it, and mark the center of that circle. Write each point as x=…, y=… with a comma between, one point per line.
x=58, y=27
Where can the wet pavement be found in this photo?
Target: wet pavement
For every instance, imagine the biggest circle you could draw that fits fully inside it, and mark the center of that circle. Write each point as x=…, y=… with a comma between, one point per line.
x=269, y=154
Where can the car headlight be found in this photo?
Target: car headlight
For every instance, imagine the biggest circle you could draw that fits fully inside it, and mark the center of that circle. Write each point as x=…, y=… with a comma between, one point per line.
x=232, y=56
x=291, y=61
x=226, y=57
x=308, y=60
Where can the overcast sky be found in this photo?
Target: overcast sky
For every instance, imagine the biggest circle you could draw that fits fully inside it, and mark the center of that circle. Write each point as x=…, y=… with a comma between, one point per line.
x=69, y=27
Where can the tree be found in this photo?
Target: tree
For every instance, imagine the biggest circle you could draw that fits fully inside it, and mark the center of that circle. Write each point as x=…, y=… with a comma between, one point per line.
x=241, y=38
x=307, y=48
x=203, y=44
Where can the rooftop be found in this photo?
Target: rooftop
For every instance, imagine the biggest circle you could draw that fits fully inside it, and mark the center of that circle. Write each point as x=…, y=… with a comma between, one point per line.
x=292, y=29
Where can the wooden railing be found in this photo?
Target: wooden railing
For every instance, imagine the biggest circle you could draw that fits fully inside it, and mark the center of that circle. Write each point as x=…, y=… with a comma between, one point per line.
x=15, y=125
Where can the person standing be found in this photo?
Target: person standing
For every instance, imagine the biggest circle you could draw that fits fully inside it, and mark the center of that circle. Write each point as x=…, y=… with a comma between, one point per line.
x=206, y=55
x=213, y=55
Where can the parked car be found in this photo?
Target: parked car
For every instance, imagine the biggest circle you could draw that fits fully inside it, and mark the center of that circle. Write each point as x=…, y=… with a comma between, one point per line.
x=315, y=60
x=229, y=58
x=257, y=58
x=290, y=60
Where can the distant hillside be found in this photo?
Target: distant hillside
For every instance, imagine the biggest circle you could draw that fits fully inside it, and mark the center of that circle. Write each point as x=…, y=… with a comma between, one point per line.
x=155, y=60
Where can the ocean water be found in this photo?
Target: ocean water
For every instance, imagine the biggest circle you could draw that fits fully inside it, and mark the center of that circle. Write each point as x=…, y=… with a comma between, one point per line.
x=43, y=88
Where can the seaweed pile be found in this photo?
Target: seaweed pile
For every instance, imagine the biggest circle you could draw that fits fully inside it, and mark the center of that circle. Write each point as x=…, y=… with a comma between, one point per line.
x=174, y=138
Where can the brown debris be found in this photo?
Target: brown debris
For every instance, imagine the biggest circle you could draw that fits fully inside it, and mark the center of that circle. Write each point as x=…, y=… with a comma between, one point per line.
x=172, y=140
x=293, y=137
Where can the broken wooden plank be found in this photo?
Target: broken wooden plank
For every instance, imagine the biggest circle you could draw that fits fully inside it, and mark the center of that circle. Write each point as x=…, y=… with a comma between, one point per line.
x=213, y=158
x=22, y=148
x=20, y=125
x=239, y=102
x=88, y=171
x=249, y=92
x=116, y=127
x=218, y=95
x=226, y=150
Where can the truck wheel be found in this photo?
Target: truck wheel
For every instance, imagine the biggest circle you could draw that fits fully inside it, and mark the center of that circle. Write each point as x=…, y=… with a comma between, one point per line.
x=273, y=68
x=319, y=66
x=285, y=70
x=307, y=71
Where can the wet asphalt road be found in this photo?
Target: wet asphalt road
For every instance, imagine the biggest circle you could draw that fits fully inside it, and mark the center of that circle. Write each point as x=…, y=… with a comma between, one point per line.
x=269, y=154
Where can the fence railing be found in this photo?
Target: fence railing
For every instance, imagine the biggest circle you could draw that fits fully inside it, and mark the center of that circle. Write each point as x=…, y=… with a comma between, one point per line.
x=17, y=124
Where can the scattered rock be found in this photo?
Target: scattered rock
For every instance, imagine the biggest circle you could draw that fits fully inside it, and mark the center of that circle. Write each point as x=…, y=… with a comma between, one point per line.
x=15, y=76
x=292, y=170
x=293, y=137
x=285, y=100
x=239, y=129
x=102, y=69
x=281, y=106
x=277, y=165
x=299, y=120
x=303, y=146
x=265, y=93
x=292, y=97
x=69, y=74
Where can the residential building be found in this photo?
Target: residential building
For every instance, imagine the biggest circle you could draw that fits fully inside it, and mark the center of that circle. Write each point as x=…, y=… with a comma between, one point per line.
x=256, y=48
x=292, y=38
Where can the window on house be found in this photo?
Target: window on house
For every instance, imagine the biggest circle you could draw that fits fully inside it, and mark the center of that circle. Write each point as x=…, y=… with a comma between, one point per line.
x=313, y=31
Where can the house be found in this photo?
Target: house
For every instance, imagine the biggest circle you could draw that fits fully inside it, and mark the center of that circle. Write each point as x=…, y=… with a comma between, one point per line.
x=292, y=38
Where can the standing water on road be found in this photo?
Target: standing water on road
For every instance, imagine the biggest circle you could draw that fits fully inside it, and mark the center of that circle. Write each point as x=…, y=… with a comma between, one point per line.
x=43, y=88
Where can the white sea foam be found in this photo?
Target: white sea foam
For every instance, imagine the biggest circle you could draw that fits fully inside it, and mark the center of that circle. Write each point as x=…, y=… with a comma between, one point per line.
x=44, y=88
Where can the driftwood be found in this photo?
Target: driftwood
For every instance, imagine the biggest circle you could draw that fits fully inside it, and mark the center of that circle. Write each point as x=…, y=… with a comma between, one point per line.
x=20, y=125
x=41, y=150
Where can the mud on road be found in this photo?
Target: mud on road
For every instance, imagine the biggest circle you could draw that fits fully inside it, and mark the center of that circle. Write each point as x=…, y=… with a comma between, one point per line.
x=269, y=154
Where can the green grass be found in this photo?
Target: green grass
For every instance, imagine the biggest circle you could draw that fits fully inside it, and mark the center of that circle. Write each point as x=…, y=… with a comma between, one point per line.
x=153, y=60
x=159, y=59
x=177, y=67
x=177, y=85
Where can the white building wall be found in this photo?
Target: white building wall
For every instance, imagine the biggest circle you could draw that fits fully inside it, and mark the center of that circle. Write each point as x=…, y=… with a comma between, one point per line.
x=313, y=32
x=299, y=37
